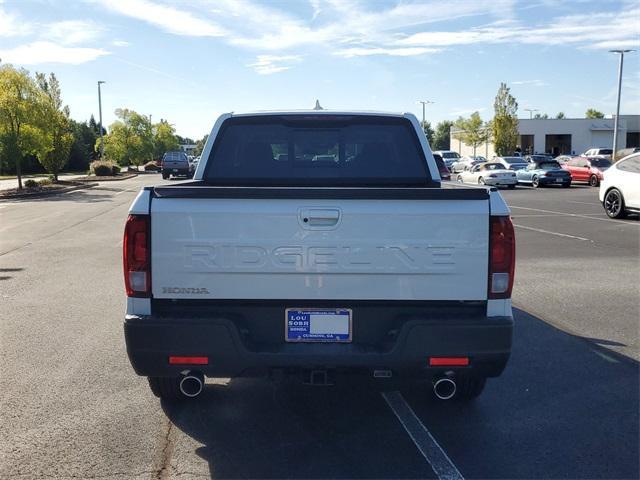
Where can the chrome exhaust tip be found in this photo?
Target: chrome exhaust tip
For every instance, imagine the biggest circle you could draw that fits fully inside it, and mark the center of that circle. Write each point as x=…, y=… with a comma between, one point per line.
x=444, y=388
x=191, y=384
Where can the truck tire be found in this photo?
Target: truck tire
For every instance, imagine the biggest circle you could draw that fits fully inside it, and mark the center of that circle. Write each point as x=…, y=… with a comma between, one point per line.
x=165, y=176
x=469, y=388
x=166, y=388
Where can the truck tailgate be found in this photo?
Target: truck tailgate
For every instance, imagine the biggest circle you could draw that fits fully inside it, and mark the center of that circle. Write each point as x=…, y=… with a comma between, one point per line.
x=285, y=248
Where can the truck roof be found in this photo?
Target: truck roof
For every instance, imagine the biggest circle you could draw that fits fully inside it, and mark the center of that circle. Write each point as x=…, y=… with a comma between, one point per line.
x=374, y=113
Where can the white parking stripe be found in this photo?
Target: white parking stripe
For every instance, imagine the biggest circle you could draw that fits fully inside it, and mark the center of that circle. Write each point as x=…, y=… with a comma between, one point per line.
x=557, y=234
x=585, y=203
x=575, y=215
x=422, y=438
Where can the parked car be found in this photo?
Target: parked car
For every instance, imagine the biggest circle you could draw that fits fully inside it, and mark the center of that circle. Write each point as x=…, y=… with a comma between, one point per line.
x=489, y=174
x=538, y=157
x=626, y=152
x=233, y=275
x=176, y=164
x=587, y=169
x=511, y=163
x=542, y=173
x=449, y=157
x=599, y=152
x=620, y=187
x=465, y=163
x=442, y=168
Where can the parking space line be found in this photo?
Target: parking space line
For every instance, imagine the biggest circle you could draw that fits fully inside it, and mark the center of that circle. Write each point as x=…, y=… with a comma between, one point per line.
x=422, y=438
x=557, y=234
x=574, y=215
x=585, y=203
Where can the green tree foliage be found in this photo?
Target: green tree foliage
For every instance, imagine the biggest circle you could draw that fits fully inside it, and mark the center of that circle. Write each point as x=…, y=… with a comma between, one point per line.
x=200, y=145
x=442, y=136
x=472, y=131
x=82, y=152
x=542, y=116
x=428, y=131
x=57, y=130
x=560, y=115
x=20, y=117
x=505, y=122
x=130, y=139
x=164, y=139
x=593, y=113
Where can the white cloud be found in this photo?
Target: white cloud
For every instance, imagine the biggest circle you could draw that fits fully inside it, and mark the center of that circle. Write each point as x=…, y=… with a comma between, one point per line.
x=120, y=43
x=396, y=52
x=173, y=20
x=73, y=32
x=12, y=25
x=47, y=52
x=269, y=64
x=533, y=83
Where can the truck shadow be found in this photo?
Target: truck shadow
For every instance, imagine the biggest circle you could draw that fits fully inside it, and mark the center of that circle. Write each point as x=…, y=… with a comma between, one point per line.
x=566, y=406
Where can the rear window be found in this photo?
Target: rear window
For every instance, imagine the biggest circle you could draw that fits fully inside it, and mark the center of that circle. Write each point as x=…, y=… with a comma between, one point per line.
x=317, y=151
x=513, y=159
x=450, y=155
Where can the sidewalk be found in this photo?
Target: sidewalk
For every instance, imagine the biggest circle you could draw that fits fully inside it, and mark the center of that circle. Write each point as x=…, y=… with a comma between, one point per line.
x=13, y=182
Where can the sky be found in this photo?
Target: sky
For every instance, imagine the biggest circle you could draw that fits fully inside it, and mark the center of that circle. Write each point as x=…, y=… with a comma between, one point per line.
x=188, y=61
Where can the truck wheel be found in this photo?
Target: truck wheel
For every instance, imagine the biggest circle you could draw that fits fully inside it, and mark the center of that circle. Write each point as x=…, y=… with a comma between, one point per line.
x=593, y=181
x=165, y=176
x=512, y=187
x=166, y=388
x=469, y=388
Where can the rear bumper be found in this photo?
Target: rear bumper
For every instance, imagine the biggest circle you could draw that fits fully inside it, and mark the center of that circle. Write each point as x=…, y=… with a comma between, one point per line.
x=151, y=340
x=176, y=171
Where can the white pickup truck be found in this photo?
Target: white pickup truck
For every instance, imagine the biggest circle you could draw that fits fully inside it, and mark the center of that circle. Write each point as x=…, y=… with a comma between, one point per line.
x=318, y=244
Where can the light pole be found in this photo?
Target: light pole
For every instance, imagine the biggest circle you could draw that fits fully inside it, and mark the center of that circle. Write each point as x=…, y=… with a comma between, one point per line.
x=100, y=82
x=615, y=124
x=531, y=110
x=424, y=105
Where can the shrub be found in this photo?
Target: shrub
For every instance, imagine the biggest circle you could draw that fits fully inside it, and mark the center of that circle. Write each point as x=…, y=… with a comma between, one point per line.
x=101, y=168
x=30, y=183
x=115, y=170
x=151, y=167
x=45, y=181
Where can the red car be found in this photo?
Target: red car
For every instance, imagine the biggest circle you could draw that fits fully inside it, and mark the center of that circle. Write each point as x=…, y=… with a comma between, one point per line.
x=587, y=169
x=442, y=168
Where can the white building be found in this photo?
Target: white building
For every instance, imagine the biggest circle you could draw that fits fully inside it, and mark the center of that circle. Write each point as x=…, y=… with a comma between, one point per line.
x=564, y=136
x=188, y=148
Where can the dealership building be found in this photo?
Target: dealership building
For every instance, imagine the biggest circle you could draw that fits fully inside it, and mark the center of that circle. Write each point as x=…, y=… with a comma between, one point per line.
x=560, y=136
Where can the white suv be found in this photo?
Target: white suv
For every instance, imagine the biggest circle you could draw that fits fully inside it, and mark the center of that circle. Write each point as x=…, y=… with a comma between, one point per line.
x=599, y=152
x=620, y=188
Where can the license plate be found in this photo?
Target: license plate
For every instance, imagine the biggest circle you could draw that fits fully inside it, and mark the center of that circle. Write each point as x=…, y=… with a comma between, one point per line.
x=558, y=180
x=317, y=325
x=175, y=169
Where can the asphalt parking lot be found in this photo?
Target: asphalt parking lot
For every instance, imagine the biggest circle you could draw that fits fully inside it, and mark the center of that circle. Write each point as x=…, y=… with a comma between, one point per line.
x=71, y=406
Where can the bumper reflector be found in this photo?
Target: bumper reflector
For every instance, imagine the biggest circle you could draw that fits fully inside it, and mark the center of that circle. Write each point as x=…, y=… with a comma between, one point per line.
x=448, y=361
x=188, y=360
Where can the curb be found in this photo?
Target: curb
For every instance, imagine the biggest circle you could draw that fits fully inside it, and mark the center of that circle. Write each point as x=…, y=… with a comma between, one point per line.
x=22, y=196
x=127, y=177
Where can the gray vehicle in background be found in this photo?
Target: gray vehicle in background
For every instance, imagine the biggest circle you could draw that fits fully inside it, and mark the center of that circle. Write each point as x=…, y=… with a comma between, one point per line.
x=176, y=164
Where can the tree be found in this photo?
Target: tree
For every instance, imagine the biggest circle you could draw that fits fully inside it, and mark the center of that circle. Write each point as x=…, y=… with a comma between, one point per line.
x=539, y=116
x=20, y=111
x=442, y=136
x=130, y=139
x=472, y=131
x=505, y=122
x=82, y=152
x=428, y=131
x=54, y=150
x=593, y=113
x=164, y=139
x=560, y=115
x=200, y=145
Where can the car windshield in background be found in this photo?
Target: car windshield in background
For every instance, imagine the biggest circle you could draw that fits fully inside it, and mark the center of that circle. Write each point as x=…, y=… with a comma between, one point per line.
x=549, y=166
x=317, y=150
x=600, y=163
x=513, y=159
x=493, y=166
x=605, y=151
x=450, y=155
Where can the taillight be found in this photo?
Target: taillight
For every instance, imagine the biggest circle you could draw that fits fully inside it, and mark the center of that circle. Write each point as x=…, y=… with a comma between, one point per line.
x=502, y=257
x=136, y=256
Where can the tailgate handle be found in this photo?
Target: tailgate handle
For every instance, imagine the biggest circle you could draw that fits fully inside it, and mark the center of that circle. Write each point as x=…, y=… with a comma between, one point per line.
x=320, y=217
